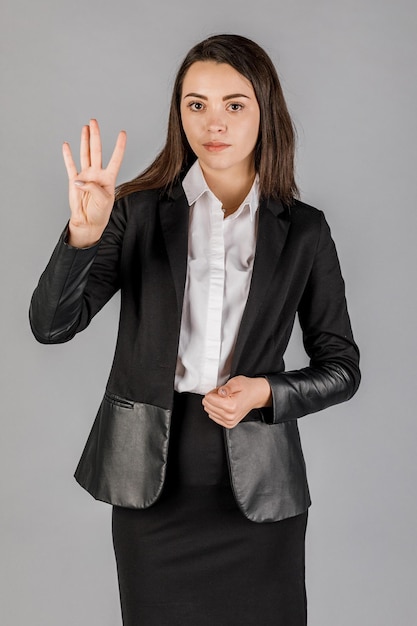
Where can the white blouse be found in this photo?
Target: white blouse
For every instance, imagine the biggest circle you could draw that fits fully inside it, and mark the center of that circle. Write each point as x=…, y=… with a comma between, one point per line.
x=220, y=261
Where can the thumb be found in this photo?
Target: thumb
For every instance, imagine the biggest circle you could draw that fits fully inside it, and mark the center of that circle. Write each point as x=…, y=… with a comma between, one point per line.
x=97, y=190
x=232, y=386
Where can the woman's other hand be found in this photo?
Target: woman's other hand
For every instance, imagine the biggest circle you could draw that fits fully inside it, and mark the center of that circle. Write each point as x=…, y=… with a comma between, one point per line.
x=227, y=405
x=91, y=191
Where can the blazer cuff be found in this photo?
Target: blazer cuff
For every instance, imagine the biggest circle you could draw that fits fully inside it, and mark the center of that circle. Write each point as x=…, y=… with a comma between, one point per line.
x=64, y=239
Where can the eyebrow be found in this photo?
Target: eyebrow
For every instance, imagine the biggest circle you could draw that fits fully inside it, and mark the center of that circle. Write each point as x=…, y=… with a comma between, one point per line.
x=232, y=96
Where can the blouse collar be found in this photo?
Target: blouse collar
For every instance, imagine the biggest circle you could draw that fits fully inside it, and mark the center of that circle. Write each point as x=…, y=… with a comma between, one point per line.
x=195, y=185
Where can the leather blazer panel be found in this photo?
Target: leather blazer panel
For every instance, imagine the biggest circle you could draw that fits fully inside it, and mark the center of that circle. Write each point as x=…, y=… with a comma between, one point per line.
x=125, y=457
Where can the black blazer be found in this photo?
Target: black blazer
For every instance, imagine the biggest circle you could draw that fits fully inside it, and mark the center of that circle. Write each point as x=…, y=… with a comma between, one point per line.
x=143, y=252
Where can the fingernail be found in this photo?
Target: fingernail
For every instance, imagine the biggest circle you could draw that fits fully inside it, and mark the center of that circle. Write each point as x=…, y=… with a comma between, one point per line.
x=79, y=183
x=222, y=391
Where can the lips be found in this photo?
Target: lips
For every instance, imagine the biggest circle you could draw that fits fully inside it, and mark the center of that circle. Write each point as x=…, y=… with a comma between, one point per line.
x=216, y=146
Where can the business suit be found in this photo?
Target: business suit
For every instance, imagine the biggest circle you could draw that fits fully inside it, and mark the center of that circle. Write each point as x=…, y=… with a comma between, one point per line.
x=144, y=253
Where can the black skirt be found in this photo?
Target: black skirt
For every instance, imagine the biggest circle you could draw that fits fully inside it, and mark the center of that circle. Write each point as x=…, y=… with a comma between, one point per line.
x=193, y=559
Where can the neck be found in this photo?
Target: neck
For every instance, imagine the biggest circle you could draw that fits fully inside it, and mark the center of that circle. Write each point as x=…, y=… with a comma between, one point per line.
x=230, y=189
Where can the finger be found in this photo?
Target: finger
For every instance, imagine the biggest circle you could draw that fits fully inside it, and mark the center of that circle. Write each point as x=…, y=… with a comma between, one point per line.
x=69, y=161
x=216, y=418
x=220, y=413
x=95, y=144
x=220, y=418
x=232, y=386
x=99, y=195
x=118, y=153
x=85, y=148
x=223, y=422
x=213, y=402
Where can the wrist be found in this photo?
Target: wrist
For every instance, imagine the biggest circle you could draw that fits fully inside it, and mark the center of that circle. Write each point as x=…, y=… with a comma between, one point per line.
x=263, y=393
x=82, y=237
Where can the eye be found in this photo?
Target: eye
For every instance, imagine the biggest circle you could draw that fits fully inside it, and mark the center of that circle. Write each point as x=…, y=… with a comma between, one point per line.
x=195, y=106
x=235, y=106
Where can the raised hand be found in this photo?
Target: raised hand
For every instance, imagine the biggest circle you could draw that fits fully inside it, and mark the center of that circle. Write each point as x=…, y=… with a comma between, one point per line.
x=91, y=190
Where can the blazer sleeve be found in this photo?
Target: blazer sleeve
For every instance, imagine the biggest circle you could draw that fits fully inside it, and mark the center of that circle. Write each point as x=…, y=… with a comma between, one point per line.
x=333, y=375
x=76, y=284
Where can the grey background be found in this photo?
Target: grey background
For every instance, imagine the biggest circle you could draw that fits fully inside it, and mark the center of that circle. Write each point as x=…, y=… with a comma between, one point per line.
x=348, y=68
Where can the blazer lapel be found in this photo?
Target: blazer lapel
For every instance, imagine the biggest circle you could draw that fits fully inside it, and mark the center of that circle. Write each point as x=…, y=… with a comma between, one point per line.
x=273, y=228
x=174, y=215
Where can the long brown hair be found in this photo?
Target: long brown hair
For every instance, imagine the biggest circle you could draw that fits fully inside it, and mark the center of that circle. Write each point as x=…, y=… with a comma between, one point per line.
x=274, y=151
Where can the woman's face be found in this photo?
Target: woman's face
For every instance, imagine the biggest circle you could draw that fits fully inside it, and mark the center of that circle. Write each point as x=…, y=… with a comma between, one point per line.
x=220, y=116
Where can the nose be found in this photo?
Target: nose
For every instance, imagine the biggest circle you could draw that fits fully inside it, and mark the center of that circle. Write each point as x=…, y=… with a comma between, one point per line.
x=216, y=123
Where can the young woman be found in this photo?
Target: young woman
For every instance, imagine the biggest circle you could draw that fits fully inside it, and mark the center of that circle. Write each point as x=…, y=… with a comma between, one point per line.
x=196, y=443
